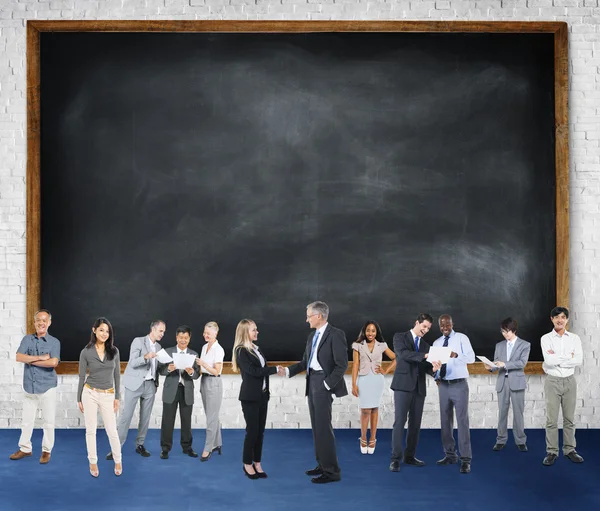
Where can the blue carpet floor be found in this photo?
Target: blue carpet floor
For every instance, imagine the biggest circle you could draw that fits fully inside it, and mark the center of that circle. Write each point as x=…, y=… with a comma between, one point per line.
x=507, y=480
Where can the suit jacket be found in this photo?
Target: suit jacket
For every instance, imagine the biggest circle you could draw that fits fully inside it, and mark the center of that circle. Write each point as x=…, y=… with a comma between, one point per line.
x=332, y=355
x=514, y=367
x=411, y=365
x=253, y=375
x=172, y=379
x=137, y=367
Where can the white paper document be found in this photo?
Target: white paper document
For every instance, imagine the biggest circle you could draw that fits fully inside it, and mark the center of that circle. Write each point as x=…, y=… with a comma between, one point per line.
x=486, y=361
x=439, y=354
x=163, y=357
x=183, y=360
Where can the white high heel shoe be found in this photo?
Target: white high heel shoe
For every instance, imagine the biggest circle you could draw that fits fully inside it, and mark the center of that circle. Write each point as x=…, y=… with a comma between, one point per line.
x=363, y=448
x=371, y=450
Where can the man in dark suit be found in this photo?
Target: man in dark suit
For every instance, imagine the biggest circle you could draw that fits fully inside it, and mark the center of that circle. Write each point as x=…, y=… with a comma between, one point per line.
x=409, y=389
x=325, y=361
x=178, y=390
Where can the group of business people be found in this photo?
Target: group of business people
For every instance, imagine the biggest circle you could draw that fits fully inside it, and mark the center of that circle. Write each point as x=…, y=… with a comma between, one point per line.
x=325, y=361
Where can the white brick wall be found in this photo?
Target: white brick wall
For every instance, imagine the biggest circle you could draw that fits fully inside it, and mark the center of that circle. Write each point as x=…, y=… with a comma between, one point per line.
x=288, y=406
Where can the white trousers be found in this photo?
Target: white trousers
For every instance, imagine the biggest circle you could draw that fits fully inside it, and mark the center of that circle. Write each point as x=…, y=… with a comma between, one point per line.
x=31, y=403
x=92, y=402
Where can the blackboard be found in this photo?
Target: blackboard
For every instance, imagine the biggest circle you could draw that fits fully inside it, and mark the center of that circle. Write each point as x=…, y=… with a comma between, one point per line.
x=218, y=176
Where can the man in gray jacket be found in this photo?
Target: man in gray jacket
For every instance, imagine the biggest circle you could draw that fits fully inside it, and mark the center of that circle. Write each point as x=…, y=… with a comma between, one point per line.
x=141, y=381
x=510, y=359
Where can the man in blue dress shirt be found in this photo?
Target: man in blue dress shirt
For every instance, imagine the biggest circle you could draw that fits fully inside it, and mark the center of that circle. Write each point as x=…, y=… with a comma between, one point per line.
x=452, y=380
x=40, y=352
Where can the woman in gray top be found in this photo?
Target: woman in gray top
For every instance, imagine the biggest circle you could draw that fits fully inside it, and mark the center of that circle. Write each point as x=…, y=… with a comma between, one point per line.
x=100, y=391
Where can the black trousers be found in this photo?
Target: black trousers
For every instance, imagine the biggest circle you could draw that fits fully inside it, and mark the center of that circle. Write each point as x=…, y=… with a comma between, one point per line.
x=167, y=424
x=406, y=405
x=319, y=406
x=255, y=415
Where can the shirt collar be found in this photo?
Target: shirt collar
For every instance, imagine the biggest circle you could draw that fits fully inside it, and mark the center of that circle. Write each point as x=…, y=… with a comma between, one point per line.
x=44, y=338
x=555, y=334
x=322, y=330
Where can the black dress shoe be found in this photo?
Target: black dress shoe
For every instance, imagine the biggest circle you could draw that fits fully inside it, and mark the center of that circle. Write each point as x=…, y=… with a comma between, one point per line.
x=317, y=471
x=323, y=479
x=395, y=466
x=207, y=457
x=218, y=449
x=498, y=447
x=261, y=475
x=549, y=459
x=248, y=475
x=109, y=456
x=574, y=457
x=164, y=455
x=522, y=447
x=447, y=461
x=465, y=467
x=191, y=453
x=414, y=461
x=140, y=449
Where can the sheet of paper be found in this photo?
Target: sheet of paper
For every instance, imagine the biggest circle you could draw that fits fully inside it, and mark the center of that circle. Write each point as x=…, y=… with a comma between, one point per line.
x=163, y=357
x=439, y=353
x=183, y=360
x=486, y=361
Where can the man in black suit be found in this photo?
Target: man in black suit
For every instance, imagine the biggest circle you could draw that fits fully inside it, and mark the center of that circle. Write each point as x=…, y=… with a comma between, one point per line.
x=178, y=391
x=325, y=361
x=409, y=389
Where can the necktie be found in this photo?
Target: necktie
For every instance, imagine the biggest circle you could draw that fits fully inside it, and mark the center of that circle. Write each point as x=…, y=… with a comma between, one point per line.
x=444, y=368
x=509, y=347
x=312, y=350
x=417, y=343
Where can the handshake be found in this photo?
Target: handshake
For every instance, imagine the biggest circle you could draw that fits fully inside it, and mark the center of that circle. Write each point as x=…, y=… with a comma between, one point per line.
x=280, y=371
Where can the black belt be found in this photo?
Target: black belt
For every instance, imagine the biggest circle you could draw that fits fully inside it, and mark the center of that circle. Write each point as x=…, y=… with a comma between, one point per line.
x=211, y=375
x=457, y=380
x=312, y=371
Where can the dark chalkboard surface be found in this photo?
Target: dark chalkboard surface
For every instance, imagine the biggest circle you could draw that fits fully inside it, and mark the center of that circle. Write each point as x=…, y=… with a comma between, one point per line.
x=198, y=177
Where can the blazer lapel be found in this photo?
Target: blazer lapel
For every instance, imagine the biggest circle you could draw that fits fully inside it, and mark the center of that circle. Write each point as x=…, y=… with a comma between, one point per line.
x=323, y=339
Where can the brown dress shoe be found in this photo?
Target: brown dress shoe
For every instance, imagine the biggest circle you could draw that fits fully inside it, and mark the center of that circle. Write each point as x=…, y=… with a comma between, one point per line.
x=19, y=455
x=44, y=458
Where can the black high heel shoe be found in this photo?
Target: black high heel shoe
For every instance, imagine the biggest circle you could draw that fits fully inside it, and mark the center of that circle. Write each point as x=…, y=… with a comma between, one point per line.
x=261, y=475
x=248, y=475
x=206, y=458
x=218, y=449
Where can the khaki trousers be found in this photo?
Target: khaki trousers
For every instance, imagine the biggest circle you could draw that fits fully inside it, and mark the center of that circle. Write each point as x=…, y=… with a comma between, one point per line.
x=92, y=402
x=31, y=403
x=560, y=393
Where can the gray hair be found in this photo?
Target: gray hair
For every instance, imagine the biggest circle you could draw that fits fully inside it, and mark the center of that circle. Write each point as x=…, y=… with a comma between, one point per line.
x=319, y=308
x=157, y=322
x=43, y=310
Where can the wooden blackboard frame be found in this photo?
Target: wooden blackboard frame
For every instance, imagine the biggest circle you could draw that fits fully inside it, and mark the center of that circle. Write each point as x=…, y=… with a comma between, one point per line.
x=561, y=80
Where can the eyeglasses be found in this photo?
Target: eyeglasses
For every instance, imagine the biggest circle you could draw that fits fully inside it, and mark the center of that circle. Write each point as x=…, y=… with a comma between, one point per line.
x=308, y=316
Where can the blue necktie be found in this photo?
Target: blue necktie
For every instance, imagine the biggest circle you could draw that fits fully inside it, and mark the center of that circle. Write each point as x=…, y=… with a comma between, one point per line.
x=312, y=350
x=417, y=343
x=509, y=348
x=444, y=367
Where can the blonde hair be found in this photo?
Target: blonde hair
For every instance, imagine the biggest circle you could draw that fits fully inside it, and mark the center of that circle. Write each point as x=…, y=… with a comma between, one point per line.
x=242, y=340
x=212, y=325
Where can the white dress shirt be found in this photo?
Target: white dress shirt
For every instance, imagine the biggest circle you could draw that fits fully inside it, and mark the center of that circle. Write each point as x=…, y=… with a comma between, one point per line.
x=314, y=364
x=150, y=375
x=567, y=355
x=181, y=370
x=216, y=355
x=460, y=344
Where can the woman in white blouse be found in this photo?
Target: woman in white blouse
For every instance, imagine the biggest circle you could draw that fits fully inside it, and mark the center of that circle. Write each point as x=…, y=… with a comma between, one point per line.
x=367, y=379
x=211, y=388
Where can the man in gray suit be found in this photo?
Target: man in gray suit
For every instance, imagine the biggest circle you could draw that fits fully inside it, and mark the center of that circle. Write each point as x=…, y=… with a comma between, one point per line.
x=178, y=392
x=141, y=381
x=511, y=357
